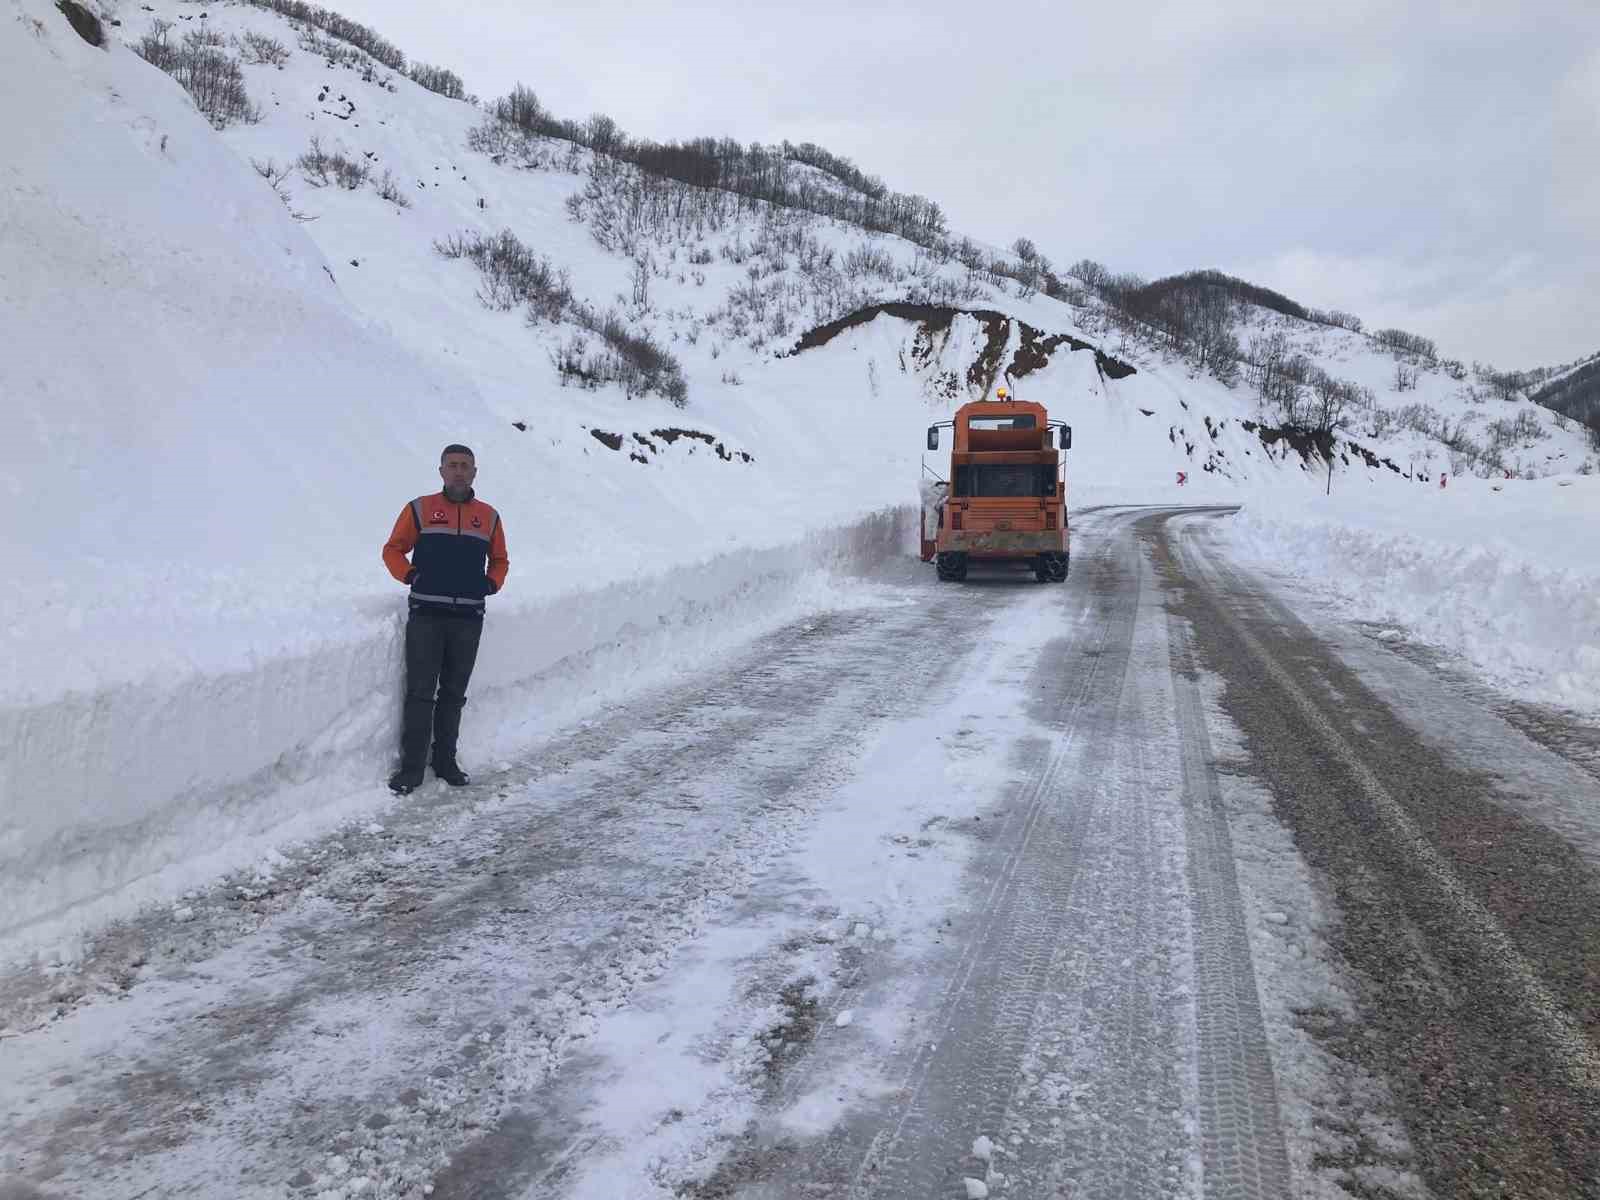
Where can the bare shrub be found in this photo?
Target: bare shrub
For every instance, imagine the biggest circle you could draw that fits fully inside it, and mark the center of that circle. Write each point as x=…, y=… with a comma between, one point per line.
x=1380, y=423
x=1421, y=418
x=1503, y=385
x=352, y=33
x=315, y=163
x=349, y=173
x=643, y=269
x=437, y=79
x=331, y=50
x=1399, y=342
x=389, y=188
x=209, y=76
x=512, y=274
x=258, y=49
x=322, y=167
x=869, y=260
x=632, y=360
x=635, y=360
x=277, y=179
x=1524, y=430
x=799, y=179
x=498, y=139
x=1299, y=394
x=156, y=47
x=275, y=176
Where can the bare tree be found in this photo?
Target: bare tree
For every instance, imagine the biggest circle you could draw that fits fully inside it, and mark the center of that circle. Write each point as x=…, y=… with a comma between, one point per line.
x=438, y=79
x=1401, y=342
x=1089, y=272
x=602, y=134
x=209, y=75
x=260, y=50
x=523, y=109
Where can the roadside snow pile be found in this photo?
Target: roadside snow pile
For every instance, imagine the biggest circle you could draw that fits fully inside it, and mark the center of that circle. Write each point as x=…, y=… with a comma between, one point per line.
x=206, y=446
x=1505, y=574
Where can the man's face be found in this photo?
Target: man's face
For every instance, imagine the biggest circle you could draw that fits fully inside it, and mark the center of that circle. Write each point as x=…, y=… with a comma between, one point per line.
x=458, y=471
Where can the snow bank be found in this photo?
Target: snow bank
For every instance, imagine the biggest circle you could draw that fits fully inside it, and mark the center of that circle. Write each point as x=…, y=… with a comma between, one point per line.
x=207, y=443
x=130, y=793
x=1505, y=574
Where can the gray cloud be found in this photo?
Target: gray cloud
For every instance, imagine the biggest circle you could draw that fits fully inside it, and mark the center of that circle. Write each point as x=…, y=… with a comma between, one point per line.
x=1432, y=165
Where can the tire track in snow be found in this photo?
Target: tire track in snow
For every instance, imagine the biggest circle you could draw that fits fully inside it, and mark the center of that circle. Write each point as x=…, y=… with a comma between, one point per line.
x=1099, y=1109
x=1478, y=968
x=1241, y=1131
x=413, y=1006
x=1065, y=1034
x=963, y=1081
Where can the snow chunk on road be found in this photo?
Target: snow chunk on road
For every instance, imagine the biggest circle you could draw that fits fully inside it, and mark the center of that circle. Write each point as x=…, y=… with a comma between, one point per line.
x=977, y=1189
x=982, y=1148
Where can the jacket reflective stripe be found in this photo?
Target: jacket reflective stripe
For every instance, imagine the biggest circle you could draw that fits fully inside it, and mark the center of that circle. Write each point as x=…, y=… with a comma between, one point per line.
x=439, y=530
x=451, y=556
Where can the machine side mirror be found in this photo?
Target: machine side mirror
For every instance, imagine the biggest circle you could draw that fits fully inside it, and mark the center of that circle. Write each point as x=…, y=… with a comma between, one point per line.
x=1066, y=437
x=933, y=437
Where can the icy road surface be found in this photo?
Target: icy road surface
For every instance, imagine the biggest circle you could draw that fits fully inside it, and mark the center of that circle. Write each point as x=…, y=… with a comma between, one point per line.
x=1137, y=886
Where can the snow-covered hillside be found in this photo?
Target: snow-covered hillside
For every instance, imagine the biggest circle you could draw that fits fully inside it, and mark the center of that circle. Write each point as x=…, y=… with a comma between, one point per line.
x=217, y=400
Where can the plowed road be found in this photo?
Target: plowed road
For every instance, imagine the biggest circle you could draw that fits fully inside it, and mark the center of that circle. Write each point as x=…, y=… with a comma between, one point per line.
x=1158, y=883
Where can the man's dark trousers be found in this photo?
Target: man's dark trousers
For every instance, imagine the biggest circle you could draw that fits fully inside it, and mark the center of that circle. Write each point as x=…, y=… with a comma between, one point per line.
x=441, y=648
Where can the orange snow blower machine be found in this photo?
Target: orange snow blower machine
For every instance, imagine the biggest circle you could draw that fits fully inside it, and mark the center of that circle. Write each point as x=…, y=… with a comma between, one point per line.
x=1006, y=499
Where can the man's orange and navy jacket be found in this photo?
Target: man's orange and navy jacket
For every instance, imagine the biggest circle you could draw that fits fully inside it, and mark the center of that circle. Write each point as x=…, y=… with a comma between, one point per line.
x=459, y=553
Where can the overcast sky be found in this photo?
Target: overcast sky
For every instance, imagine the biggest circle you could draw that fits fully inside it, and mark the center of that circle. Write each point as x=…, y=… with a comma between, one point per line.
x=1431, y=166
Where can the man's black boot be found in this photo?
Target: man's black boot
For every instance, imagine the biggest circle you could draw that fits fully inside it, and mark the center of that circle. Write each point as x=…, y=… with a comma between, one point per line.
x=451, y=773
x=405, y=781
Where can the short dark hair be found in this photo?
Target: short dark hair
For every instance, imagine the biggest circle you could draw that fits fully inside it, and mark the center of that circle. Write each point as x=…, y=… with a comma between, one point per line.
x=456, y=448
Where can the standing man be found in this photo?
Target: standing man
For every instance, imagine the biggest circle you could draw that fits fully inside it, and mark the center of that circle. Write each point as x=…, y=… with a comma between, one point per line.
x=460, y=558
